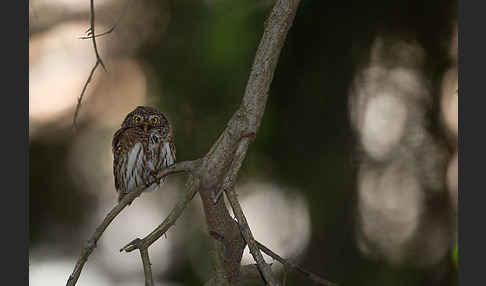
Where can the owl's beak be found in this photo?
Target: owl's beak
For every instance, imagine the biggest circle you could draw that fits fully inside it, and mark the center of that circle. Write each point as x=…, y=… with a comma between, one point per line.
x=145, y=126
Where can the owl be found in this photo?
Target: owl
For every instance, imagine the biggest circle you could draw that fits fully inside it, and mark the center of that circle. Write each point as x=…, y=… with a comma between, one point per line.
x=141, y=147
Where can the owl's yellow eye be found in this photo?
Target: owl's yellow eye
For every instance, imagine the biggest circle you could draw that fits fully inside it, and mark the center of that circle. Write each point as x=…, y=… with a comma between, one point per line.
x=155, y=120
x=137, y=119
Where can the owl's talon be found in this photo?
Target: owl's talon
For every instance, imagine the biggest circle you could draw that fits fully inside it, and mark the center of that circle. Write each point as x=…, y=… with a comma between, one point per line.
x=153, y=175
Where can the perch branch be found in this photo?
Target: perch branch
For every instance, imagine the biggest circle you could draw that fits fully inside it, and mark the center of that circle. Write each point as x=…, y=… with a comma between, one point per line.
x=167, y=223
x=228, y=187
x=291, y=266
x=186, y=166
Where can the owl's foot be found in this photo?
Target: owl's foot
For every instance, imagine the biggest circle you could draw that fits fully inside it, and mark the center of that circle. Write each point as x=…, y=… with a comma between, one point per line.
x=153, y=175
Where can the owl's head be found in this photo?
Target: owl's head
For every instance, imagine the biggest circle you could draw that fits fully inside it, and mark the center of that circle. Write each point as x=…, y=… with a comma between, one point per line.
x=146, y=118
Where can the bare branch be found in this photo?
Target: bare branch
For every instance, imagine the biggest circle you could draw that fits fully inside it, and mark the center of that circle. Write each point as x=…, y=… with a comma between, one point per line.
x=277, y=25
x=246, y=273
x=91, y=36
x=92, y=31
x=289, y=265
x=99, y=62
x=147, y=267
x=113, y=27
x=186, y=166
x=167, y=223
x=228, y=187
x=80, y=98
x=245, y=123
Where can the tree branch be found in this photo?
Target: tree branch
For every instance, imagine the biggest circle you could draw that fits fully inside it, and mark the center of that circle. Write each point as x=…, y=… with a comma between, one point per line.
x=289, y=265
x=244, y=123
x=167, y=223
x=91, y=31
x=147, y=266
x=246, y=273
x=228, y=187
x=277, y=25
x=186, y=166
x=112, y=28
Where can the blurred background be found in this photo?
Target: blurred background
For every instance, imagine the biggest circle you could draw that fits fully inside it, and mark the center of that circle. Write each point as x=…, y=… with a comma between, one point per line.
x=353, y=173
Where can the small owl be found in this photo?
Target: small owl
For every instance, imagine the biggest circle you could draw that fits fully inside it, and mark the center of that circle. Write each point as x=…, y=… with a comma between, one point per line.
x=141, y=147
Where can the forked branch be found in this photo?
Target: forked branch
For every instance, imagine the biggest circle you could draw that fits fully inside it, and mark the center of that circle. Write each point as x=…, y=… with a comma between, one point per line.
x=167, y=223
x=228, y=188
x=99, y=61
x=112, y=28
x=186, y=166
x=210, y=173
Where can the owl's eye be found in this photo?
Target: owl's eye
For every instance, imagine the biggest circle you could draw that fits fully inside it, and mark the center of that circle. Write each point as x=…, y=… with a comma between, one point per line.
x=137, y=119
x=155, y=120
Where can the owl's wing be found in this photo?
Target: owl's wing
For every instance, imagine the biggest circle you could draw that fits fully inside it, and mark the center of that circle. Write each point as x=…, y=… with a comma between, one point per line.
x=168, y=156
x=117, y=149
x=172, y=148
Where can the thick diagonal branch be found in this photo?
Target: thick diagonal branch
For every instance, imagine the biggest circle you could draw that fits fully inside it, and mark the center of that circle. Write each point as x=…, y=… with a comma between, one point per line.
x=186, y=166
x=244, y=123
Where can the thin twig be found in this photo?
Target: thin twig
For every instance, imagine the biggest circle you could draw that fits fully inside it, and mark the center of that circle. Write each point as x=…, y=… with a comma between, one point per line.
x=90, y=35
x=167, y=223
x=99, y=62
x=186, y=166
x=289, y=265
x=113, y=27
x=92, y=31
x=228, y=187
x=80, y=98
